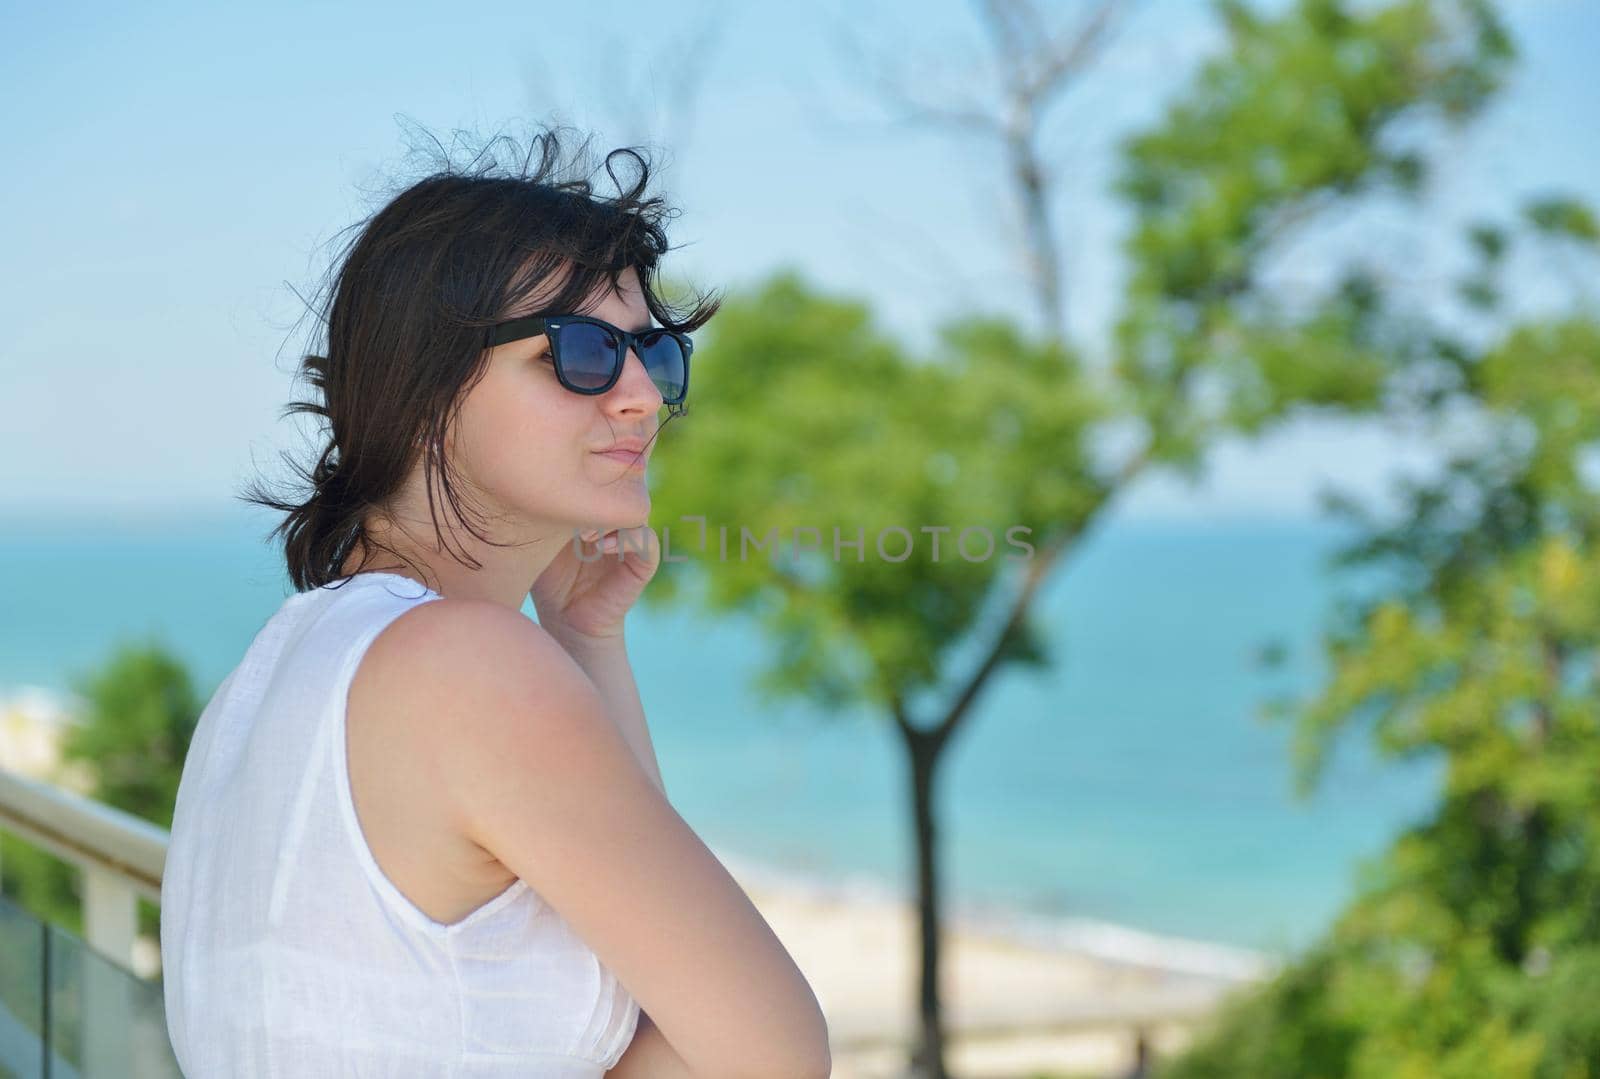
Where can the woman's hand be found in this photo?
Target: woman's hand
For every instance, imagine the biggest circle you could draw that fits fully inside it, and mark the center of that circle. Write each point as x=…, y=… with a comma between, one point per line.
x=586, y=598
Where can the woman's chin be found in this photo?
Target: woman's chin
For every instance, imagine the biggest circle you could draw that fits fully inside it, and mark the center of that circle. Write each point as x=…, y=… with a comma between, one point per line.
x=623, y=512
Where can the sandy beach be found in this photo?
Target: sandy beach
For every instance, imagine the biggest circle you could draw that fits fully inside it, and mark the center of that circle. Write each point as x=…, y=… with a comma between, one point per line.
x=1014, y=1006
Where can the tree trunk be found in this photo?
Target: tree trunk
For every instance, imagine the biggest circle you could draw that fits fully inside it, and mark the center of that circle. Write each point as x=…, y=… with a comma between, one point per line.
x=927, y=1060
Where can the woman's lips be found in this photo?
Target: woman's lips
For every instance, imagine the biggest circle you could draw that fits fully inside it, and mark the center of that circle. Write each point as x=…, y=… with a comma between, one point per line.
x=627, y=457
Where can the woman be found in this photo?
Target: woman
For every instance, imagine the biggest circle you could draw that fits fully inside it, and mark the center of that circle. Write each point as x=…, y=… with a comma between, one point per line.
x=417, y=833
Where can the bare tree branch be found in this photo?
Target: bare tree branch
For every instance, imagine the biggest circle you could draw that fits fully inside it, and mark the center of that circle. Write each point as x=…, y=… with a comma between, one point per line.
x=1065, y=60
x=1032, y=68
x=887, y=74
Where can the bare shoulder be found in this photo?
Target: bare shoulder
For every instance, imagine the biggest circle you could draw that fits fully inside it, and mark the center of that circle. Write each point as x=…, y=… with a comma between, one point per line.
x=540, y=778
x=450, y=637
x=463, y=674
x=453, y=645
x=494, y=701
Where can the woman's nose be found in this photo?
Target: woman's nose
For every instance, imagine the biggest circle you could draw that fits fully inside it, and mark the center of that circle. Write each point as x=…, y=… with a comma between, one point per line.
x=635, y=388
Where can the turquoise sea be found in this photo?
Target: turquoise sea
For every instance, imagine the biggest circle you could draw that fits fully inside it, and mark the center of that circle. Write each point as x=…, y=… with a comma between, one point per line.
x=1130, y=784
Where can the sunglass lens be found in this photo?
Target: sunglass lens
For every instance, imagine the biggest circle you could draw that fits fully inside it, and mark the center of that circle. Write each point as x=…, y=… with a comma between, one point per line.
x=588, y=353
x=663, y=358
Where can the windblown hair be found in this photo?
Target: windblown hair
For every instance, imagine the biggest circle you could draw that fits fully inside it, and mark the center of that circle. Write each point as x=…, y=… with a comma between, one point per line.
x=407, y=310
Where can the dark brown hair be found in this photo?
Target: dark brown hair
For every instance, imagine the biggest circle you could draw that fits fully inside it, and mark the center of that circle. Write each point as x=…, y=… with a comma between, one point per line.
x=406, y=312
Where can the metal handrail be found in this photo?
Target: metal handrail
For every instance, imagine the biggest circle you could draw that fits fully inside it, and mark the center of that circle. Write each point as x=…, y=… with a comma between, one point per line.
x=85, y=831
x=122, y=855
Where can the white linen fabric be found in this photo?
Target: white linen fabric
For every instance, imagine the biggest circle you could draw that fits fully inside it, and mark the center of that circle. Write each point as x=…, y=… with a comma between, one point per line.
x=286, y=951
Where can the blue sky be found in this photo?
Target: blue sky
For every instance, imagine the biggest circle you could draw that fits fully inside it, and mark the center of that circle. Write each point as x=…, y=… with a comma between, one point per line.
x=176, y=168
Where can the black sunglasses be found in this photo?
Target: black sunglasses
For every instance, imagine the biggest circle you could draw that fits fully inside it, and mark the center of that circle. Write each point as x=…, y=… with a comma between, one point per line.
x=589, y=352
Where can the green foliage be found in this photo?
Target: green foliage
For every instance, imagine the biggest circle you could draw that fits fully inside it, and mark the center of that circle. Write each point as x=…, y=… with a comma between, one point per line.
x=140, y=715
x=1487, y=663
x=1299, y=114
x=809, y=417
x=1559, y=216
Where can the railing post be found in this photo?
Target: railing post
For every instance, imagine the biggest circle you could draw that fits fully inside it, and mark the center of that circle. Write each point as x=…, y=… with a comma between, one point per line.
x=110, y=921
x=46, y=1035
x=110, y=914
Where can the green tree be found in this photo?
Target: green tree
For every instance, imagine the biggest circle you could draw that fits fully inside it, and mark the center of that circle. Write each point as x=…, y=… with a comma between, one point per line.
x=139, y=712
x=810, y=418
x=1473, y=942
x=1473, y=947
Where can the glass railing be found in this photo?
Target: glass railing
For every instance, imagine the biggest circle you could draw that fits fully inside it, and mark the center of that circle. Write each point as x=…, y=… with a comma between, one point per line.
x=66, y=1011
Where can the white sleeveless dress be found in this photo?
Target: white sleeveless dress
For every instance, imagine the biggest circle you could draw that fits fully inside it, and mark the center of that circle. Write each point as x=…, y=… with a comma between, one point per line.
x=287, y=953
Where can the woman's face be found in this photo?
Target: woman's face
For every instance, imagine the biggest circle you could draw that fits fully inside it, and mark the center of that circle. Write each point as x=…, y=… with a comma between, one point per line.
x=533, y=450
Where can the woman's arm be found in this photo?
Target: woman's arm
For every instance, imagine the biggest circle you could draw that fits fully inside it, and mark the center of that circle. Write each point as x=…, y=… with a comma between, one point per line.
x=649, y=1056
x=605, y=661
x=531, y=745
